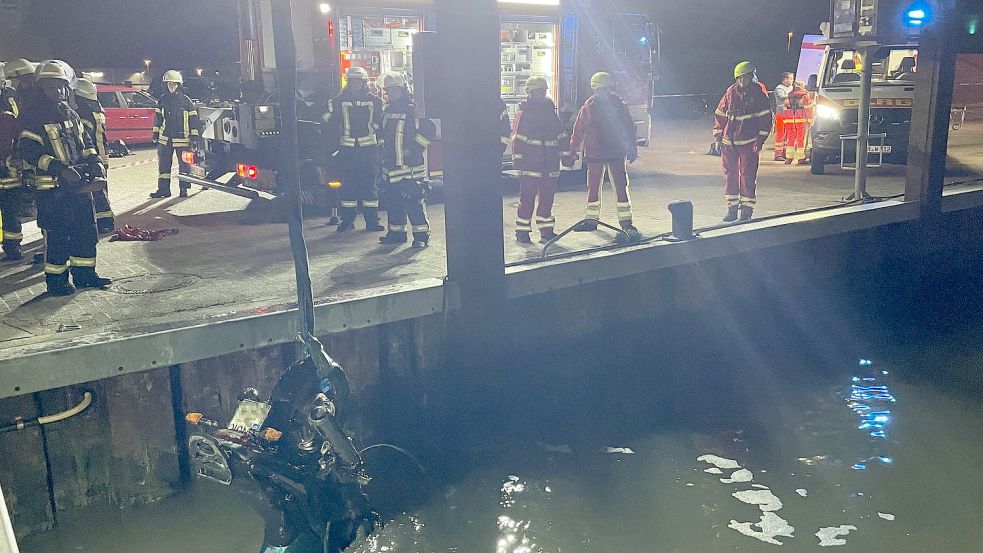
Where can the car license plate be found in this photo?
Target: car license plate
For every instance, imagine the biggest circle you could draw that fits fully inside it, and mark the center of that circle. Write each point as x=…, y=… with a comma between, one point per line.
x=878, y=149
x=197, y=171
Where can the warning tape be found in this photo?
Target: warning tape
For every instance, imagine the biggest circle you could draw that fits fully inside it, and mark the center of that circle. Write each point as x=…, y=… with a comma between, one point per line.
x=133, y=164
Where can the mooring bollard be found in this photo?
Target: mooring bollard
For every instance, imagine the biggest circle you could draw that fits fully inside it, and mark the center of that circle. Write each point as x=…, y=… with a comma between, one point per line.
x=682, y=219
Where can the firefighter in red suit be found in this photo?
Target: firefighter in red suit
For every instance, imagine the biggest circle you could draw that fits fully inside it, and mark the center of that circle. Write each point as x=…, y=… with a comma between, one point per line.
x=742, y=123
x=538, y=141
x=605, y=130
x=802, y=115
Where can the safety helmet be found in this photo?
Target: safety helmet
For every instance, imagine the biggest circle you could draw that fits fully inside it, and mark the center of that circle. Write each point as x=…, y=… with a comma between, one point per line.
x=19, y=68
x=55, y=69
x=173, y=76
x=536, y=83
x=743, y=68
x=390, y=79
x=601, y=79
x=85, y=89
x=357, y=73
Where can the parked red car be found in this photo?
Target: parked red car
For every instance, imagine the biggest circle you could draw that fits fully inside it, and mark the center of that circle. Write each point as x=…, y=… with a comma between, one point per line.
x=129, y=113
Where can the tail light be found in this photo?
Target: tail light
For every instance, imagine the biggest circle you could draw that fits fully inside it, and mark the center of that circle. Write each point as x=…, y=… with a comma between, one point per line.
x=247, y=171
x=188, y=157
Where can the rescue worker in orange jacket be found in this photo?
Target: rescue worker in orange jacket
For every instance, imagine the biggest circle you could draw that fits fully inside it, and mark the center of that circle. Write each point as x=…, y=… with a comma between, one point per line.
x=538, y=142
x=605, y=131
x=54, y=145
x=742, y=123
x=405, y=139
x=801, y=117
x=176, y=126
x=94, y=120
x=352, y=122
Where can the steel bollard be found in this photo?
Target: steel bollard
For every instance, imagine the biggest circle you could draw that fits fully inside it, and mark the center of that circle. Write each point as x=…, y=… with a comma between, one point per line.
x=682, y=219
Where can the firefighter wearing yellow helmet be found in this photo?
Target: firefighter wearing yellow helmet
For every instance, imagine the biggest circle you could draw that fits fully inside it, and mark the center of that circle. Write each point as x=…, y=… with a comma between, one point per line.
x=742, y=123
x=176, y=127
x=404, y=164
x=65, y=167
x=351, y=124
x=539, y=141
x=605, y=132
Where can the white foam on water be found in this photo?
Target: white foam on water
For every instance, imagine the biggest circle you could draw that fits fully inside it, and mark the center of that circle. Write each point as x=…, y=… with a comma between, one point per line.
x=740, y=475
x=802, y=491
x=771, y=526
x=886, y=516
x=719, y=462
x=713, y=470
x=764, y=499
x=621, y=450
x=759, y=486
x=828, y=536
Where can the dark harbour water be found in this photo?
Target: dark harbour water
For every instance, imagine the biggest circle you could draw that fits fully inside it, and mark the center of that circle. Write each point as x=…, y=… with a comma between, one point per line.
x=796, y=435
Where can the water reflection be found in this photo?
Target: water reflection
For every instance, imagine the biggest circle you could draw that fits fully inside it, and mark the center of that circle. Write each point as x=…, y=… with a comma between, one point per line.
x=870, y=398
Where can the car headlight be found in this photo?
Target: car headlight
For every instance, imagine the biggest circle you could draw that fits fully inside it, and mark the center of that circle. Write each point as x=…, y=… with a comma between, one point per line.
x=824, y=111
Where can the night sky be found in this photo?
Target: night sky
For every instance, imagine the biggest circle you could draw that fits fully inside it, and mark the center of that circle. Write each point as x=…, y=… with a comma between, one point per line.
x=702, y=39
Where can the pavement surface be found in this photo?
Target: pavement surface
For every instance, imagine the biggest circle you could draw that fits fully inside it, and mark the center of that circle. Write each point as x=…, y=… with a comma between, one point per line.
x=230, y=256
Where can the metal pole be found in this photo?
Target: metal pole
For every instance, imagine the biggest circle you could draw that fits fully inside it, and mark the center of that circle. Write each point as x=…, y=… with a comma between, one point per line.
x=8, y=542
x=286, y=69
x=469, y=38
x=931, y=115
x=863, y=127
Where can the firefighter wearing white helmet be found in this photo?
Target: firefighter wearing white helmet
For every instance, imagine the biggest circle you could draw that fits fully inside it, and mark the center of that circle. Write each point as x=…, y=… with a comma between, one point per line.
x=539, y=141
x=176, y=127
x=404, y=163
x=351, y=126
x=20, y=72
x=94, y=120
x=605, y=131
x=8, y=95
x=65, y=166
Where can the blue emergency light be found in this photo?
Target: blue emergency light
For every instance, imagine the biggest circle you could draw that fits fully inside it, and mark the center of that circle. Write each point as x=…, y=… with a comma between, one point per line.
x=917, y=15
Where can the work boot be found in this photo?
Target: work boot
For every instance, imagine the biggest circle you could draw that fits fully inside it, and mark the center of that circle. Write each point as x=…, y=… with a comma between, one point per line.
x=86, y=277
x=105, y=226
x=393, y=237
x=184, y=190
x=160, y=194
x=345, y=226
x=58, y=285
x=12, y=251
x=546, y=236
x=420, y=241
x=587, y=225
x=731, y=214
x=745, y=213
x=374, y=226
x=522, y=236
x=788, y=161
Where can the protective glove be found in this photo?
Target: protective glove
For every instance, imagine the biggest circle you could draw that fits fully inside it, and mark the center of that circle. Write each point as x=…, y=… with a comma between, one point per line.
x=70, y=175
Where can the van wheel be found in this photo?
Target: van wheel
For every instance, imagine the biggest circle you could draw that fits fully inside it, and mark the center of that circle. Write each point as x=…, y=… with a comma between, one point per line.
x=817, y=165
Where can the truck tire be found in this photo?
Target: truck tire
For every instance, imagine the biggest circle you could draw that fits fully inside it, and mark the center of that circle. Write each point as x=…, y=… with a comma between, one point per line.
x=817, y=165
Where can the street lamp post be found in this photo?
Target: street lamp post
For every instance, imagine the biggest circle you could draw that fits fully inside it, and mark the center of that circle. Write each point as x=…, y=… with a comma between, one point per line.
x=146, y=70
x=789, y=46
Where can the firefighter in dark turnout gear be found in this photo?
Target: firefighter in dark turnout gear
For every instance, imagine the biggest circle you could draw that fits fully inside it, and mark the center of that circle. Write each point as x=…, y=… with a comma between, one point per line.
x=404, y=166
x=54, y=145
x=21, y=75
x=352, y=124
x=176, y=125
x=94, y=121
x=15, y=200
x=13, y=197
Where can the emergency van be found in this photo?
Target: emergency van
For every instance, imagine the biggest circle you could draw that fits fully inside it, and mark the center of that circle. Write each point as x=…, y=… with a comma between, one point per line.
x=836, y=82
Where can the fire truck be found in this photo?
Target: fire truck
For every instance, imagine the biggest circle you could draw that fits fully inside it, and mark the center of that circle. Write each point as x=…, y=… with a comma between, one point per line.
x=564, y=41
